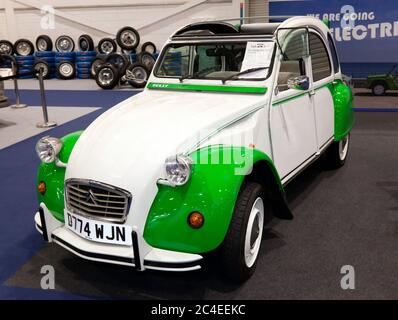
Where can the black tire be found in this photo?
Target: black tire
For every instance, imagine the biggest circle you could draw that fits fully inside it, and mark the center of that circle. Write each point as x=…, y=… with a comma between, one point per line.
x=232, y=251
x=148, y=47
x=6, y=47
x=119, y=60
x=137, y=75
x=66, y=70
x=46, y=68
x=379, y=88
x=23, y=47
x=128, y=38
x=44, y=43
x=64, y=44
x=107, y=46
x=146, y=59
x=86, y=43
x=336, y=154
x=107, y=76
x=97, y=62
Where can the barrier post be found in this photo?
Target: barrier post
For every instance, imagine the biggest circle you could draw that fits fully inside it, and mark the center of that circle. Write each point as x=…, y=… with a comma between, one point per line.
x=46, y=123
x=18, y=104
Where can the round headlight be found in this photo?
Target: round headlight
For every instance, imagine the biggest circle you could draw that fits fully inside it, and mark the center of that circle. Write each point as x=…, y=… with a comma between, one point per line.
x=48, y=148
x=178, y=169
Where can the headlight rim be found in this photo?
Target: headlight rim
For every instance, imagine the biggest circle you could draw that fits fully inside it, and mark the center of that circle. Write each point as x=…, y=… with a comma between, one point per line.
x=183, y=159
x=55, y=144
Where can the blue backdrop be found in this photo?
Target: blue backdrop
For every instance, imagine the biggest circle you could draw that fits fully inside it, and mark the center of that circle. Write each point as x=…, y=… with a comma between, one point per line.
x=366, y=31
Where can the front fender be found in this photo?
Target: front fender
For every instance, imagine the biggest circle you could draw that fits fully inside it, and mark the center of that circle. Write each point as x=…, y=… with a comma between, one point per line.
x=343, y=110
x=54, y=178
x=217, y=175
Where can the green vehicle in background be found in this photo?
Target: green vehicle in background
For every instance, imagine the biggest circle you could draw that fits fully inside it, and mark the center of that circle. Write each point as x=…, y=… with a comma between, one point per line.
x=379, y=84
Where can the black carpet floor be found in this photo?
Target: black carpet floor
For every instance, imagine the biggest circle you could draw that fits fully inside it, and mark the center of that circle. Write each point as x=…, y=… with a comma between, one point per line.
x=343, y=217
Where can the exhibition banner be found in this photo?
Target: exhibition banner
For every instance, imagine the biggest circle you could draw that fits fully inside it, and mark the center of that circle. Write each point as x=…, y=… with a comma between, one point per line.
x=366, y=31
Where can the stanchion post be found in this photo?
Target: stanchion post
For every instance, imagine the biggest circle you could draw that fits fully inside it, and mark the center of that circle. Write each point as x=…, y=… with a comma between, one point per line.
x=46, y=123
x=18, y=104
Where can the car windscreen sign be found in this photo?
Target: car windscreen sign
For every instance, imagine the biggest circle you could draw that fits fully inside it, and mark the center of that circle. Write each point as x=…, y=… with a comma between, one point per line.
x=257, y=55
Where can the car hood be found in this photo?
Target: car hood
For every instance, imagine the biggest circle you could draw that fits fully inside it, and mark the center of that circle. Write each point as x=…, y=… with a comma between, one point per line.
x=127, y=145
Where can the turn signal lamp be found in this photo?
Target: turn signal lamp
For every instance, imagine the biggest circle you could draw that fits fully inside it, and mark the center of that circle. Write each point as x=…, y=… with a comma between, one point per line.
x=196, y=220
x=42, y=187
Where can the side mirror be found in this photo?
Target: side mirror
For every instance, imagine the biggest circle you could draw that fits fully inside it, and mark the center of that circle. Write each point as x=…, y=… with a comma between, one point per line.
x=299, y=83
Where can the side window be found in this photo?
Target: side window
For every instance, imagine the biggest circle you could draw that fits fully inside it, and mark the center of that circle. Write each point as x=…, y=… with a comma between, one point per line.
x=321, y=67
x=336, y=64
x=292, y=65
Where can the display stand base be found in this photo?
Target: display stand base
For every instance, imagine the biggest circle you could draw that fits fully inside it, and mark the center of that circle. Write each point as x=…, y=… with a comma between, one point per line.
x=49, y=124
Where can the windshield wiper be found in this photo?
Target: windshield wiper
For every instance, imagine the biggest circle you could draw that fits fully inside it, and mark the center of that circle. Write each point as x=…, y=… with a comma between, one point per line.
x=182, y=78
x=235, y=76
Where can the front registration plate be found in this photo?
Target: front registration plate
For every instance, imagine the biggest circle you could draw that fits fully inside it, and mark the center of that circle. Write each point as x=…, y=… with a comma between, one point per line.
x=99, y=231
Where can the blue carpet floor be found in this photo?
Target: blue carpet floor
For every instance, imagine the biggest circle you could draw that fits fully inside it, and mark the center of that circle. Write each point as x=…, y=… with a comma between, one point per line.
x=18, y=167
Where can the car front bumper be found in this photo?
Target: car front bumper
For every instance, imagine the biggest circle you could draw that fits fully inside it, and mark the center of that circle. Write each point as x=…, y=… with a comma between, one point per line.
x=155, y=259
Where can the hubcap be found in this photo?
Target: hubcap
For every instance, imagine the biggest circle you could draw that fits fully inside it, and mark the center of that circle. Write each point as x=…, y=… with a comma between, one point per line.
x=254, y=232
x=343, y=147
x=64, y=45
x=106, y=47
x=42, y=66
x=42, y=45
x=128, y=38
x=379, y=89
x=5, y=48
x=23, y=49
x=66, y=69
x=138, y=74
x=105, y=76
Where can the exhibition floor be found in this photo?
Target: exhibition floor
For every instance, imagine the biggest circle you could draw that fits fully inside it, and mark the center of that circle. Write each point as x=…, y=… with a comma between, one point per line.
x=343, y=217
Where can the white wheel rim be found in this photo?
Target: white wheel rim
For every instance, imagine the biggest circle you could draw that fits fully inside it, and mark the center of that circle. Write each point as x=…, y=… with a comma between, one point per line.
x=128, y=38
x=42, y=45
x=379, y=89
x=64, y=44
x=66, y=69
x=23, y=49
x=139, y=74
x=106, y=76
x=254, y=232
x=106, y=47
x=343, y=147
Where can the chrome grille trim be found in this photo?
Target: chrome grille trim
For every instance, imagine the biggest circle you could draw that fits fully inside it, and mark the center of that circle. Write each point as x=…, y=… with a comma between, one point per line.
x=97, y=200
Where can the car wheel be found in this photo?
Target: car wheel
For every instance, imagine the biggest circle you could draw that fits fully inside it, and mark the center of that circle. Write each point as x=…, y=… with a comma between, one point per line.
x=107, y=46
x=128, y=38
x=66, y=70
x=86, y=43
x=379, y=89
x=148, y=47
x=64, y=44
x=336, y=155
x=107, y=76
x=44, y=43
x=119, y=60
x=146, y=59
x=137, y=75
x=6, y=47
x=41, y=64
x=23, y=47
x=239, y=251
x=97, y=62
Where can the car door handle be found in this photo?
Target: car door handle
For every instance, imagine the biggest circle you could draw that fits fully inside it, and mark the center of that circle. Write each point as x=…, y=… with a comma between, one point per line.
x=311, y=92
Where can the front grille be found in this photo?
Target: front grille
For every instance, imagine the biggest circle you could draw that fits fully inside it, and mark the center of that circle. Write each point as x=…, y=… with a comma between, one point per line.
x=97, y=200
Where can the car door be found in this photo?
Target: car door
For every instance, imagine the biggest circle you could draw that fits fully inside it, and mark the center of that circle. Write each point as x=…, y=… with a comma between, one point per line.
x=292, y=121
x=322, y=79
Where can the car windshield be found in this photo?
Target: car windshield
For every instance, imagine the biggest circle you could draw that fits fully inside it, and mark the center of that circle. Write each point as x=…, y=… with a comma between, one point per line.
x=222, y=61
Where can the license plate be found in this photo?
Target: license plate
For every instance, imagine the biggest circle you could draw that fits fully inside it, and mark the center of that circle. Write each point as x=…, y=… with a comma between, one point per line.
x=99, y=231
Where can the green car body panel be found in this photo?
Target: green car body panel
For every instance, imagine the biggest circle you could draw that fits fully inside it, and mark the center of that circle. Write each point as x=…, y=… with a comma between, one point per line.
x=389, y=80
x=343, y=100
x=54, y=177
x=212, y=190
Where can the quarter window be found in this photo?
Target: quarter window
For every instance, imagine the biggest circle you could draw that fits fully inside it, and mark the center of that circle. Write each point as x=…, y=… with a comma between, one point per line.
x=321, y=67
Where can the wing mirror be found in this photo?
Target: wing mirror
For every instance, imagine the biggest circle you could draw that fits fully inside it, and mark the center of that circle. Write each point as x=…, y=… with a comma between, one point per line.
x=299, y=83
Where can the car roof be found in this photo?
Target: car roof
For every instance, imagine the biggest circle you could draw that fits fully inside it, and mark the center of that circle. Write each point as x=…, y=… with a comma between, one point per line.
x=210, y=29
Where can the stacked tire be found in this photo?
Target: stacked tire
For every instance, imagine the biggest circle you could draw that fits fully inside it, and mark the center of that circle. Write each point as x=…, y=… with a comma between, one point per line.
x=47, y=61
x=84, y=60
x=65, y=65
x=25, y=66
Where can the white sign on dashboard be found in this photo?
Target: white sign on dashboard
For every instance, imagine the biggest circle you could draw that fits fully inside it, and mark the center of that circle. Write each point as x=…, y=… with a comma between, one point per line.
x=257, y=55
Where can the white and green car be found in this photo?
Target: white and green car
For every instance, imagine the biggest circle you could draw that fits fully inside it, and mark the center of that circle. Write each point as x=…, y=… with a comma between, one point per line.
x=229, y=116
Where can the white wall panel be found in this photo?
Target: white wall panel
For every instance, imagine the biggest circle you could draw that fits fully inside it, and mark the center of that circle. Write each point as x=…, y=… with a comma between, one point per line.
x=111, y=16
